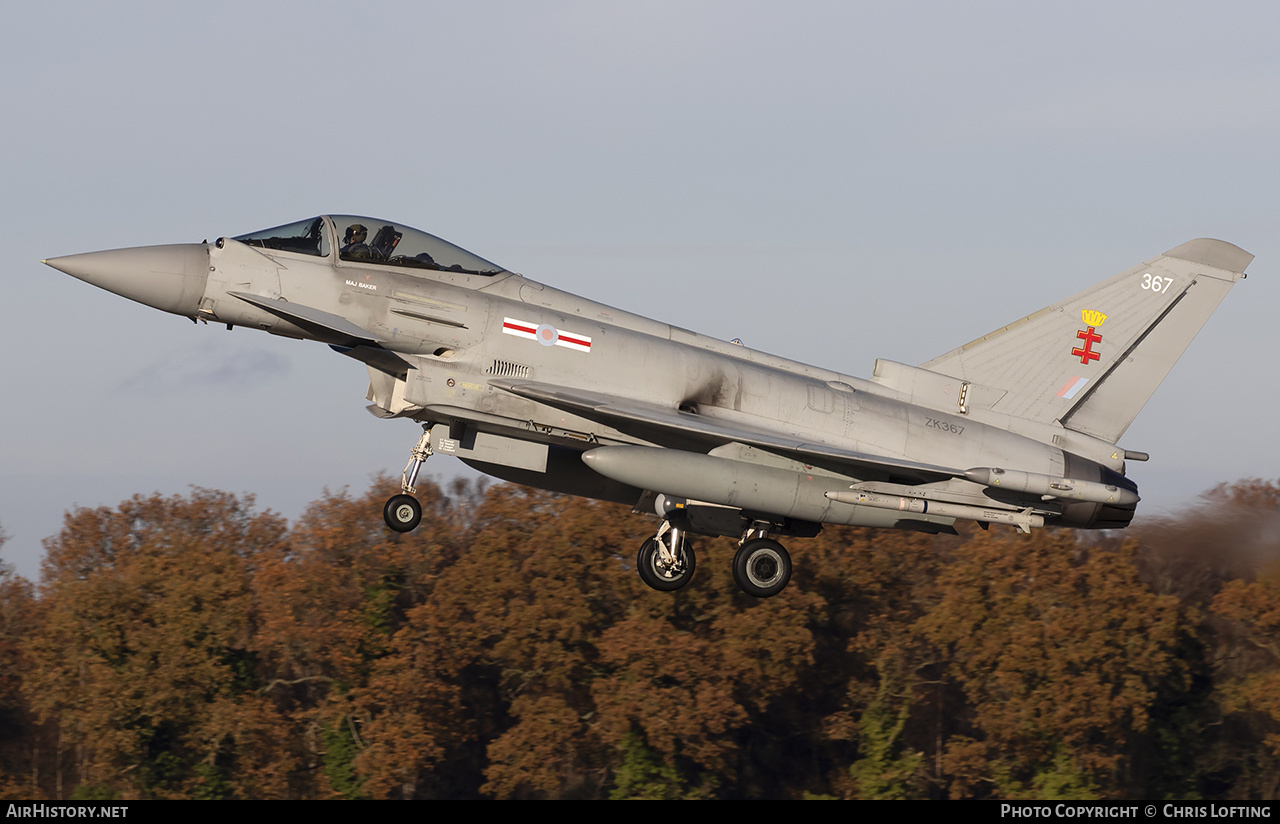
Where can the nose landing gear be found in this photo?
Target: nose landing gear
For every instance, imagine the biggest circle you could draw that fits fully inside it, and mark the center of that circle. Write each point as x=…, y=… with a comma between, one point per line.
x=402, y=512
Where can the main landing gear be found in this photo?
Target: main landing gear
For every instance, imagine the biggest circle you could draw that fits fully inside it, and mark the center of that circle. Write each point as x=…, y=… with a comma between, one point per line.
x=402, y=512
x=761, y=566
x=666, y=561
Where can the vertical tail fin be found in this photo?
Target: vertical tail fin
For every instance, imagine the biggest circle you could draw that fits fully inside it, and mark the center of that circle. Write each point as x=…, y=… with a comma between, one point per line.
x=1093, y=360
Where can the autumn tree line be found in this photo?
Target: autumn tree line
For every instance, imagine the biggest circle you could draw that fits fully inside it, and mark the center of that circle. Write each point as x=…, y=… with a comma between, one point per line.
x=194, y=647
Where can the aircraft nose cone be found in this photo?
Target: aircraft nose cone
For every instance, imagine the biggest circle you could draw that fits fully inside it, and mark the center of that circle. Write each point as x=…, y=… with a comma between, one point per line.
x=170, y=278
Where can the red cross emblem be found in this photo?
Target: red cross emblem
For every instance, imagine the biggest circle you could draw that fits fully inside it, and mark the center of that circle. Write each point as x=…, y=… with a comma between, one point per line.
x=1086, y=352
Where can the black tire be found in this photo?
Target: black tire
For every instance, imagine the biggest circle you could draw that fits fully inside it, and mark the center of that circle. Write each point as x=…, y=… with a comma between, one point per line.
x=762, y=568
x=402, y=513
x=652, y=572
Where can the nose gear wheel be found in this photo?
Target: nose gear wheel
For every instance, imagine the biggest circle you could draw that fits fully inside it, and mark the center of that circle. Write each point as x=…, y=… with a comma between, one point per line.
x=402, y=513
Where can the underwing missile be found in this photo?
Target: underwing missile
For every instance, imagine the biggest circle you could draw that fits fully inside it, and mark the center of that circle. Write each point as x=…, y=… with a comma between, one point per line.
x=1071, y=489
x=1024, y=521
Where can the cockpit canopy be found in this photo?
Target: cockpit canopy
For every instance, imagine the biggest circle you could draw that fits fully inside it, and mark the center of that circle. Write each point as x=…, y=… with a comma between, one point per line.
x=369, y=240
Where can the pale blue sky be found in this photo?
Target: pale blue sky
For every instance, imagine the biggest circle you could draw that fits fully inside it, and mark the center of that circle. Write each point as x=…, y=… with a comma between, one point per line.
x=832, y=182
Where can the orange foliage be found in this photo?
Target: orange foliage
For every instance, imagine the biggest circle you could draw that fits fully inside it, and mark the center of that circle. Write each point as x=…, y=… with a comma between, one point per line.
x=189, y=646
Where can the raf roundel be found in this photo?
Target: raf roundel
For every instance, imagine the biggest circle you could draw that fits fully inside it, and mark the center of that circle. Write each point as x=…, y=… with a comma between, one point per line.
x=547, y=335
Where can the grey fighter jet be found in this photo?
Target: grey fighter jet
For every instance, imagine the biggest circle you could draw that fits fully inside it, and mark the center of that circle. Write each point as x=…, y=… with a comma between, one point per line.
x=545, y=388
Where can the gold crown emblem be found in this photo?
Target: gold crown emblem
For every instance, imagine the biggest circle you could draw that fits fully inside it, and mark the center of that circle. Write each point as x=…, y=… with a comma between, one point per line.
x=1092, y=317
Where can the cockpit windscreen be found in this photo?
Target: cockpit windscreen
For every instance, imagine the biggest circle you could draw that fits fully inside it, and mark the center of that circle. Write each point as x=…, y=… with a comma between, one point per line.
x=306, y=237
x=369, y=240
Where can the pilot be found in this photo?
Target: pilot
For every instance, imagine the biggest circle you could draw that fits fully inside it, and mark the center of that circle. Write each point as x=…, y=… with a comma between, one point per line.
x=353, y=243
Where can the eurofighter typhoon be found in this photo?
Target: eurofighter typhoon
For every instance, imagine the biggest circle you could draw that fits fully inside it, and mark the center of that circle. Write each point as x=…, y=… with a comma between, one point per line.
x=541, y=387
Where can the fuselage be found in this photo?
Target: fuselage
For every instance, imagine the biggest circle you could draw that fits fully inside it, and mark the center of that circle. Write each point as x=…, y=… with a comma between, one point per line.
x=535, y=385
x=440, y=341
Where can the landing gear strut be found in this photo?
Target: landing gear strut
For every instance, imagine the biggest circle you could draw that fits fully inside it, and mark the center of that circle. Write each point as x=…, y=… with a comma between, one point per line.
x=666, y=561
x=762, y=566
x=402, y=512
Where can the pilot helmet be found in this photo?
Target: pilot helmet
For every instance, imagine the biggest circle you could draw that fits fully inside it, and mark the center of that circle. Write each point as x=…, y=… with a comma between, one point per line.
x=356, y=233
